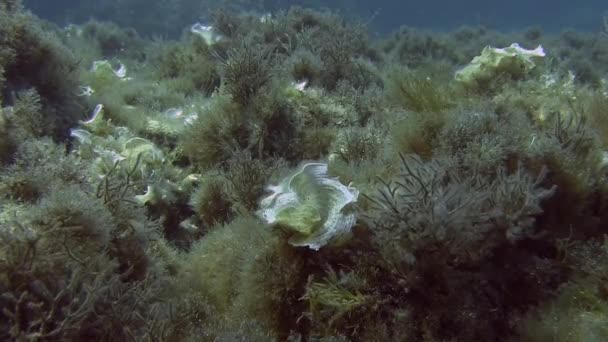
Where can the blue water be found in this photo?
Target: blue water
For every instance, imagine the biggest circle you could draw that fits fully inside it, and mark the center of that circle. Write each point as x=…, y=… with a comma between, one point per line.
x=551, y=15
x=383, y=16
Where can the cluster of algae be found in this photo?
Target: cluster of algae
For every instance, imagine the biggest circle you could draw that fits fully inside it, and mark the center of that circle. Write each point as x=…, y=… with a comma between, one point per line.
x=287, y=178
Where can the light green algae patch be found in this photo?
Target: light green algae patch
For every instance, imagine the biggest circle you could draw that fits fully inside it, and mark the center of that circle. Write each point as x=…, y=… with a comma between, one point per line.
x=311, y=205
x=513, y=60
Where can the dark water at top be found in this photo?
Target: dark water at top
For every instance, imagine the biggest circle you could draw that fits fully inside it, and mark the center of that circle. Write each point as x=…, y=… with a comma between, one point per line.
x=444, y=14
x=383, y=15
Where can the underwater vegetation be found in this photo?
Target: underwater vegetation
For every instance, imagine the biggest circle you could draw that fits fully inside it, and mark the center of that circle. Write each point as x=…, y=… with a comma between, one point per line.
x=289, y=178
x=33, y=59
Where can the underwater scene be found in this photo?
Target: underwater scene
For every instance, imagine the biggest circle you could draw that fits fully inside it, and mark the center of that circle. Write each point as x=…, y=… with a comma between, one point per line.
x=308, y=170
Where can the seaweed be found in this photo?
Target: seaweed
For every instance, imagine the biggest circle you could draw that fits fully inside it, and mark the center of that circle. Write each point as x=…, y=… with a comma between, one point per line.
x=420, y=92
x=34, y=57
x=436, y=232
x=188, y=64
x=245, y=272
x=246, y=70
x=210, y=202
x=215, y=134
x=481, y=220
